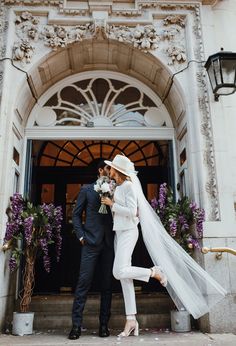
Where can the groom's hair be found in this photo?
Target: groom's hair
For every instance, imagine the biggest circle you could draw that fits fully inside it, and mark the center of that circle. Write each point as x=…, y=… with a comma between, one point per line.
x=101, y=164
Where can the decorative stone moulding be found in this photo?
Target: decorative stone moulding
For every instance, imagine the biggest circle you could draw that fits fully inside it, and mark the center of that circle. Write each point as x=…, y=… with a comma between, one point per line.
x=143, y=37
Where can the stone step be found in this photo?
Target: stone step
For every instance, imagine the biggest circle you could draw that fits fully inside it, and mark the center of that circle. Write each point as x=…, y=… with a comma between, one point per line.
x=146, y=303
x=54, y=311
x=90, y=321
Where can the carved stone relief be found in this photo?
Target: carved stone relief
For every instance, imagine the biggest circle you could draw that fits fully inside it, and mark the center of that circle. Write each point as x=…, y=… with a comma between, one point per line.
x=143, y=37
x=3, y=29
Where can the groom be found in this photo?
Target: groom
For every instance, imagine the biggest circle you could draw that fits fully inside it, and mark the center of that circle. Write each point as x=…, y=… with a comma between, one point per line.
x=96, y=237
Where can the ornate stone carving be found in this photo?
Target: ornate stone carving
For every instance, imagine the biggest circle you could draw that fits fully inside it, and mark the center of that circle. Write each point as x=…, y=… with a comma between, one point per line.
x=58, y=36
x=141, y=37
x=169, y=34
x=99, y=29
x=176, y=54
x=3, y=38
x=177, y=20
x=209, y=156
x=55, y=36
x=23, y=51
x=27, y=24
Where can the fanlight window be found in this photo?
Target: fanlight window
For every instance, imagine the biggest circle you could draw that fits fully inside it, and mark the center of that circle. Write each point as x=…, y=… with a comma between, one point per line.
x=101, y=102
x=84, y=153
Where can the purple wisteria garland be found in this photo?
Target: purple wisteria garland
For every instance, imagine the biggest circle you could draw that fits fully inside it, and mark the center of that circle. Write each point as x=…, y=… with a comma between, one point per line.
x=34, y=228
x=179, y=217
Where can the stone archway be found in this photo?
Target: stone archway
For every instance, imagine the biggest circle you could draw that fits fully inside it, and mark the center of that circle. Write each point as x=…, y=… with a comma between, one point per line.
x=110, y=55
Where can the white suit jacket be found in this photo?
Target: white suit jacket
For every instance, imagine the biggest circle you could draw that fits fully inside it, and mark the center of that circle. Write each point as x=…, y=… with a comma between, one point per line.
x=125, y=207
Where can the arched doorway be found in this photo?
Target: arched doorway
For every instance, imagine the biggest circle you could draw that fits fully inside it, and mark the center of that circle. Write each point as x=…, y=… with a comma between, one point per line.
x=111, y=108
x=59, y=170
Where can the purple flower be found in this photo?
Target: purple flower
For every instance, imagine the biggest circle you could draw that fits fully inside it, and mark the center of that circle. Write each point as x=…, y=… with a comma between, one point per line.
x=28, y=228
x=173, y=227
x=194, y=242
x=183, y=222
x=193, y=206
x=12, y=263
x=13, y=226
x=46, y=259
x=200, y=218
x=162, y=196
x=154, y=203
x=38, y=226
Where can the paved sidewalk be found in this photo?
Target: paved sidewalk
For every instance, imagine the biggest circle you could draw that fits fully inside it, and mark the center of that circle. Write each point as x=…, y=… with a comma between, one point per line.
x=146, y=337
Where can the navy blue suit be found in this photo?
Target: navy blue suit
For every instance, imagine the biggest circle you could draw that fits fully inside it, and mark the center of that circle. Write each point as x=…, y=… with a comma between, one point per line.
x=99, y=239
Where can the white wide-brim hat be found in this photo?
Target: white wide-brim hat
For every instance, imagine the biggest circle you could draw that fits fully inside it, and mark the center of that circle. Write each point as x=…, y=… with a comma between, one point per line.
x=122, y=164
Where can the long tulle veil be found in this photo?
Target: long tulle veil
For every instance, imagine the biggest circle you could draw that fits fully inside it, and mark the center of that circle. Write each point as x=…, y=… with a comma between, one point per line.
x=190, y=286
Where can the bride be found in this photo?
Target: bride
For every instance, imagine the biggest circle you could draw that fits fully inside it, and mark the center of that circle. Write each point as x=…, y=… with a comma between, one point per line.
x=190, y=287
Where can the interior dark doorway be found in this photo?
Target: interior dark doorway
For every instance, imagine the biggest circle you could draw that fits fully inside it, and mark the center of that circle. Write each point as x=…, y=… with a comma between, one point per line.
x=60, y=167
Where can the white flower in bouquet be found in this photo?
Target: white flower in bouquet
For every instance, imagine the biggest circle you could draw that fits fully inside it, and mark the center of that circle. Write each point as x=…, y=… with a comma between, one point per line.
x=105, y=187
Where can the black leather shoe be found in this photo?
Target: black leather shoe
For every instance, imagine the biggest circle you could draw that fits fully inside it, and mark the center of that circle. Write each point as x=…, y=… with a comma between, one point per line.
x=74, y=333
x=103, y=331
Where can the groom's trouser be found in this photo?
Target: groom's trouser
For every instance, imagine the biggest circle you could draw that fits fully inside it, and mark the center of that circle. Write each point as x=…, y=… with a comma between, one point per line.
x=125, y=242
x=90, y=255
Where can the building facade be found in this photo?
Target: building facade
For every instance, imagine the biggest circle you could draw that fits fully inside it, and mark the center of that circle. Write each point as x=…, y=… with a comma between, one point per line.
x=85, y=79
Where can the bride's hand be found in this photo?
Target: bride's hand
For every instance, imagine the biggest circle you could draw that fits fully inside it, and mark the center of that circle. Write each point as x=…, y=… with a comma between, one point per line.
x=107, y=201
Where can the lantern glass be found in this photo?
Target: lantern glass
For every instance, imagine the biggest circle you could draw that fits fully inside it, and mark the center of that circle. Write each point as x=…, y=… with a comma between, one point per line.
x=228, y=74
x=221, y=69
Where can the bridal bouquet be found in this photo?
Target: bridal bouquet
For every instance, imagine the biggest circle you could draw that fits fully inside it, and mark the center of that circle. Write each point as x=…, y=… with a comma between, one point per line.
x=105, y=188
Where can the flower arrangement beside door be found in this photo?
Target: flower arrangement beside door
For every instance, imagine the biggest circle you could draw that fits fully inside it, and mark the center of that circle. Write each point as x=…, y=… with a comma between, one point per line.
x=183, y=219
x=30, y=232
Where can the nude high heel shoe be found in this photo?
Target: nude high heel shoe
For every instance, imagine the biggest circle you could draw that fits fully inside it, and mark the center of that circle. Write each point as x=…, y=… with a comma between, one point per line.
x=159, y=275
x=134, y=328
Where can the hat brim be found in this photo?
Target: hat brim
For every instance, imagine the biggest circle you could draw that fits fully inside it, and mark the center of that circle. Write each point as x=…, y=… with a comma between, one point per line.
x=109, y=163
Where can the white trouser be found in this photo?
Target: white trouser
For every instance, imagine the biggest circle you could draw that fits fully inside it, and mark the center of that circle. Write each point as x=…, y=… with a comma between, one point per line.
x=125, y=242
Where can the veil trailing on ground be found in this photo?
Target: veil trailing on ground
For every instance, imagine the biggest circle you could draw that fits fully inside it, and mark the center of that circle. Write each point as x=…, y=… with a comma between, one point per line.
x=190, y=286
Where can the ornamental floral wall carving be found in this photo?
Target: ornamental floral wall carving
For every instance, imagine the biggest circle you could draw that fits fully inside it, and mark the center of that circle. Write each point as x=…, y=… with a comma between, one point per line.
x=23, y=51
x=176, y=54
x=143, y=37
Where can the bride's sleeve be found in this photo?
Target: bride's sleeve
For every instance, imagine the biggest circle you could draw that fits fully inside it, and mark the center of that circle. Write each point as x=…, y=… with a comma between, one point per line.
x=130, y=208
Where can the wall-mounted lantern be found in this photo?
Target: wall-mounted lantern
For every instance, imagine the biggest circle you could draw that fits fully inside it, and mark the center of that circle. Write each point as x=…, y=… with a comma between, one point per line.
x=221, y=69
